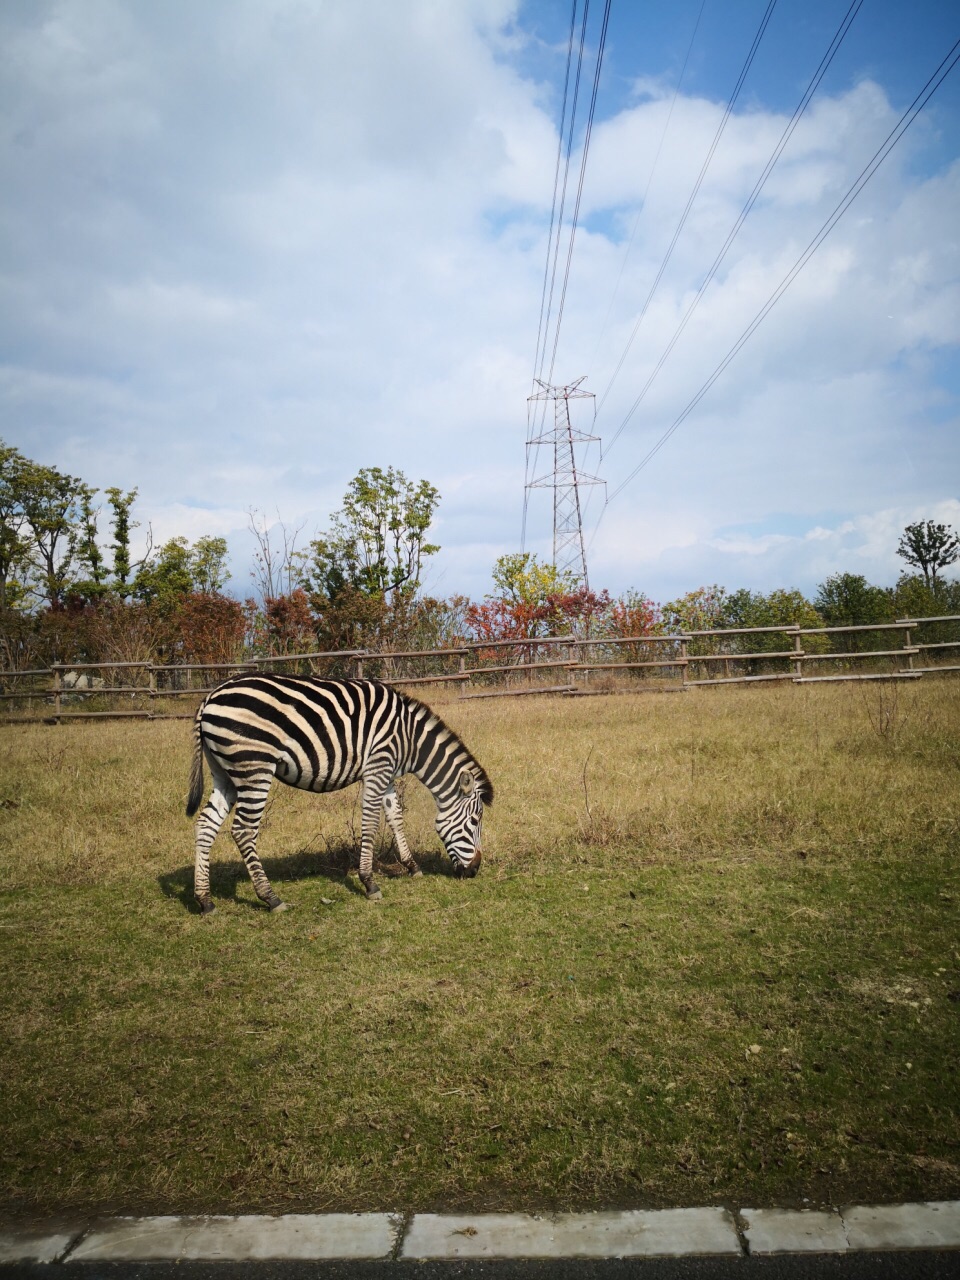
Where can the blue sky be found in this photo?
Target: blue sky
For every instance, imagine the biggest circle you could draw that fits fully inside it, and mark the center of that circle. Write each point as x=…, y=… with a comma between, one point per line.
x=249, y=247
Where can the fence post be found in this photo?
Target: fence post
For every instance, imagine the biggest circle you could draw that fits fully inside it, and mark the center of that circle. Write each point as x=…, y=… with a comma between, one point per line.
x=683, y=656
x=906, y=645
x=798, y=650
x=57, y=690
x=359, y=666
x=152, y=684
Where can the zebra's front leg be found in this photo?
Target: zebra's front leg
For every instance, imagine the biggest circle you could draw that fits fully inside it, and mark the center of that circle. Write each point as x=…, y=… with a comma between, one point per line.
x=246, y=826
x=394, y=811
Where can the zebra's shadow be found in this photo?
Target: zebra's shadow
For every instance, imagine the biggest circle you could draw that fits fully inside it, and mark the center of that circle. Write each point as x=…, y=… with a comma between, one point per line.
x=334, y=862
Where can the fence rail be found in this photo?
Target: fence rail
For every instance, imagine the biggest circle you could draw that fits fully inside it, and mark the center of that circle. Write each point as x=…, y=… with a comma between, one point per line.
x=694, y=659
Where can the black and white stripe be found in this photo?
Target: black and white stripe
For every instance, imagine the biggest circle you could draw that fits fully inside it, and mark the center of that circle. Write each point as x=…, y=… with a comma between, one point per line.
x=321, y=735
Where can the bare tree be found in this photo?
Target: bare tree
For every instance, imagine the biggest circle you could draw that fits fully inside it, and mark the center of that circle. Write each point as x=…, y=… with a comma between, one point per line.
x=278, y=566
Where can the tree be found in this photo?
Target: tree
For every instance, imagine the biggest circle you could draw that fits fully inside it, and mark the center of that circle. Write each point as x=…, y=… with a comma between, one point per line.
x=520, y=578
x=780, y=608
x=53, y=508
x=535, y=599
x=912, y=597
x=929, y=547
x=208, y=565
x=848, y=600
x=377, y=543
x=633, y=615
x=700, y=610
x=210, y=628
x=13, y=546
x=49, y=536
x=288, y=623
x=179, y=569
x=355, y=620
x=166, y=577
x=121, y=503
x=278, y=567
x=88, y=551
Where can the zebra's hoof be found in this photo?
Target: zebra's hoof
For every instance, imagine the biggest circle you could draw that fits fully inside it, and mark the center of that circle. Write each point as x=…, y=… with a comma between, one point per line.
x=416, y=873
x=279, y=906
x=207, y=908
x=374, y=894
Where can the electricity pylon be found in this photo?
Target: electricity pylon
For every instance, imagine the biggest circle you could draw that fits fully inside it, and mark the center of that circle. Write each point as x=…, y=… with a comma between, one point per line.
x=565, y=480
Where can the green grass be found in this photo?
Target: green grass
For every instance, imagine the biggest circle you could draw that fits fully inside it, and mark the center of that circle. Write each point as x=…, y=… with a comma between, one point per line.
x=713, y=956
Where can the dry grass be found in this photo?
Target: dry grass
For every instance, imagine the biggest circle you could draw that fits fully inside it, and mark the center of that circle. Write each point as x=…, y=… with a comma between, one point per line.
x=712, y=955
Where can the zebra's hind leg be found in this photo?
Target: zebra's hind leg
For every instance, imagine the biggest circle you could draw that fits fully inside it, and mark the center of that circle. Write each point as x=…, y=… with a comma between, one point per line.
x=246, y=826
x=394, y=811
x=208, y=824
x=374, y=794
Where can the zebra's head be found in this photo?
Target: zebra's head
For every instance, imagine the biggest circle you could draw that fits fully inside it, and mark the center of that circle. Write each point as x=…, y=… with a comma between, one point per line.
x=458, y=822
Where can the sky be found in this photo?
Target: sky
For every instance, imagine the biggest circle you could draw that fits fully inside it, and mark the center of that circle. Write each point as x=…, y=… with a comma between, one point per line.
x=252, y=246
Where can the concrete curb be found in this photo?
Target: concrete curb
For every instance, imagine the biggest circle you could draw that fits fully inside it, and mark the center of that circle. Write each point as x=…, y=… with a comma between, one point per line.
x=456, y=1237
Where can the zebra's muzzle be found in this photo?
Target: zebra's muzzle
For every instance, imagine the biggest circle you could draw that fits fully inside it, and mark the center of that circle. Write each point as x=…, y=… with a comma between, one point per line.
x=470, y=869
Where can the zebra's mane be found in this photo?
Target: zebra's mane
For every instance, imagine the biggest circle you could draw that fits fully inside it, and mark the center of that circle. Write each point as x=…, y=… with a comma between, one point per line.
x=423, y=712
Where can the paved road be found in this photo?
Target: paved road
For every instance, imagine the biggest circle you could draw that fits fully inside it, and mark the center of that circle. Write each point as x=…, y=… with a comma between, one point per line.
x=920, y=1265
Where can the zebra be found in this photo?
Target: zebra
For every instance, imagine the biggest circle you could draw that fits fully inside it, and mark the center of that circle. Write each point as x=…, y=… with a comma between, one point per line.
x=322, y=735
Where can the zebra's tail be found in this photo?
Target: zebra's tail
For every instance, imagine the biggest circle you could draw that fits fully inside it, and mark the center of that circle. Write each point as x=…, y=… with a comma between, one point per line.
x=196, y=770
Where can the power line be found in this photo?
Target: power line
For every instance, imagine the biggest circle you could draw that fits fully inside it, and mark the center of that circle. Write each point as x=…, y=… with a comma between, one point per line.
x=554, y=247
x=538, y=371
x=583, y=169
x=764, y=21
x=751, y=200
x=646, y=190
x=556, y=187
x=908, y=117
x=546, y=268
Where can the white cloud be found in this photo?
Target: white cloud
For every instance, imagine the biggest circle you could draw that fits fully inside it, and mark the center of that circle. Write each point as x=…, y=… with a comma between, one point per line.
x=252, y=247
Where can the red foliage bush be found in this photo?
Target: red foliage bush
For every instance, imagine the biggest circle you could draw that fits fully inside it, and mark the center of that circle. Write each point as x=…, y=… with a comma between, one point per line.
x=211, y=628
x=288, y=623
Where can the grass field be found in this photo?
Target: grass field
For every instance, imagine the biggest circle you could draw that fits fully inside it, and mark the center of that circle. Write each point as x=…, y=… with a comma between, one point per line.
x=713, y=956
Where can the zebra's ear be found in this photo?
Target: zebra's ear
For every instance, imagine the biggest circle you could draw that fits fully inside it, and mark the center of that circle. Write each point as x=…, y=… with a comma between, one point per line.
x=467, y=782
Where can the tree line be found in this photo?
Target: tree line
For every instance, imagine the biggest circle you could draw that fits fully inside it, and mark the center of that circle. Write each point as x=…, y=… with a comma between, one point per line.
x=71, y=589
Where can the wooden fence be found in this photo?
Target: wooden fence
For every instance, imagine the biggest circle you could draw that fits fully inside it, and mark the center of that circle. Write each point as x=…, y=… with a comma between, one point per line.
x=513, y=668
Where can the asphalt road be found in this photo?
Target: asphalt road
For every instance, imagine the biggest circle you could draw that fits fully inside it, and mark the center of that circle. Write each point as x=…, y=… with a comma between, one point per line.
x=919, y=1265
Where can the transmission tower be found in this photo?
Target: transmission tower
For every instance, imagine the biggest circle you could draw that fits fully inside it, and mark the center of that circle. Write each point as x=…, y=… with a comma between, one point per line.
x=565, y=480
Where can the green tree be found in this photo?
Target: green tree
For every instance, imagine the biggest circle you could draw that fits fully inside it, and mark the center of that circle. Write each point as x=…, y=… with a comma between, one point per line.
x=13, y=545
x=912, y=597
x=377, y=543
x=179, y=569
x=49, y=535
x=520, y=578
x=166, y=577
x=849, y=600
x=53, y=508
x=929, y=547
x=208, y=565
x=700, y=610
x=779, y=608
x=89, y=555
x=121, y=503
